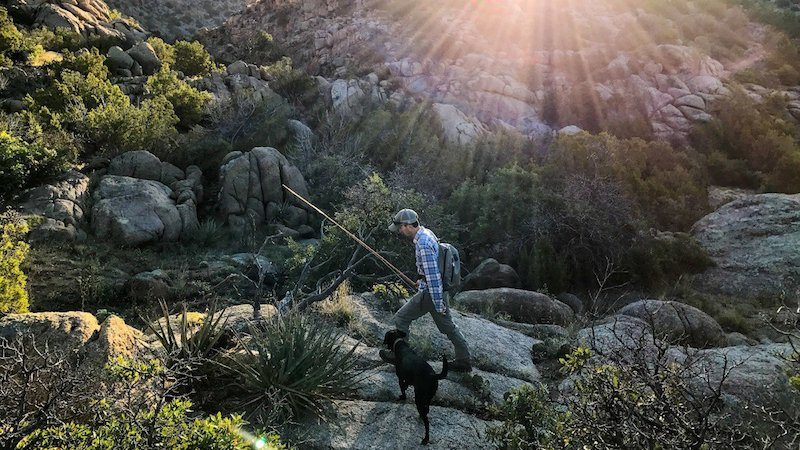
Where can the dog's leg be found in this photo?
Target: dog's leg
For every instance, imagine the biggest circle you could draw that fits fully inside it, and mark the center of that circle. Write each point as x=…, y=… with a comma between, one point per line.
x=423, y=409
x=403, y=387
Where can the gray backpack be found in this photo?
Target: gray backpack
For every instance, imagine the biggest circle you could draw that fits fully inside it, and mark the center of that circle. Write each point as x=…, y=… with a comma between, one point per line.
x=449, y=267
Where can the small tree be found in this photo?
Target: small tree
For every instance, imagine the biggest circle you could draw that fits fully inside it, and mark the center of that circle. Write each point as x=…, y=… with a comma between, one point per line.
x=13, y=250
x=192, y=59
x=188, y=102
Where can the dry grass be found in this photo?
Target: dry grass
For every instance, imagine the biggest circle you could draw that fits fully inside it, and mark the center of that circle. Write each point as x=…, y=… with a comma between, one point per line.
x=339, y=306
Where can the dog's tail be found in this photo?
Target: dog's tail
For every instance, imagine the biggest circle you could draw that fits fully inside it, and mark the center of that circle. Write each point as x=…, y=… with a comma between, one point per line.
x=443, y=375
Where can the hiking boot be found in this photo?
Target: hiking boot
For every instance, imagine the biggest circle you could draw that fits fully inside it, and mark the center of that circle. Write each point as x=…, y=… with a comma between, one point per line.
x=387, y=356
x=460, y=365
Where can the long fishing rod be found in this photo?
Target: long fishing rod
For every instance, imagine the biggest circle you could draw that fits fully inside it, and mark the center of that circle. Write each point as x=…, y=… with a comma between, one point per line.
x=397, y=271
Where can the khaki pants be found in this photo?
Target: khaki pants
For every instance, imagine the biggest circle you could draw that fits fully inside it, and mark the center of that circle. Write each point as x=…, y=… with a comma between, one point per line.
x=421, y=304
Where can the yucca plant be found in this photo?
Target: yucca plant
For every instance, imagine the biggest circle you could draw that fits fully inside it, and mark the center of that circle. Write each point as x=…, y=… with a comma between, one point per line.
x=186, y=342
x=293, y=363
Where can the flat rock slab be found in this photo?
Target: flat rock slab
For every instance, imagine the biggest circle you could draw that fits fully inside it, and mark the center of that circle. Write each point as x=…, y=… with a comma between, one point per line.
x=468, y=392
x=359, y=424
x=493, y=348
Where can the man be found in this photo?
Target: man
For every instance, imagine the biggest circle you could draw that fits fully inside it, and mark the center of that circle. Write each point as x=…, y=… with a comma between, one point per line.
x=430, y=297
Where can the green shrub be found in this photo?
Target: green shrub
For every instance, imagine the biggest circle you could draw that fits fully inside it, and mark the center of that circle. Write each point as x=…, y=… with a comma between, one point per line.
x=188, y=103
x=630, y=401
x=292, y=84
x=192, y=59
x=164, y=51
x=667, y=185
x=10, y=36
x=247, y=120
x=479, y=205
x=529, y=420
x=655, y=261
x=294, y=361
x=731, y=319
x=757, y=134
x=22, y=163
x=14, y=45
x=173, y=428
x=68, y=98
x=391, y=295
x=85, y=61
x=13, y=282
x=170, y=426
x=119, y=128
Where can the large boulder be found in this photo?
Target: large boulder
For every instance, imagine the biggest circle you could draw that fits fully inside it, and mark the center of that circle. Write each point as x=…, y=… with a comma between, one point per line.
x=252, y=188
x=491, y=274
x=457, y=127
x=118, y=60
x=62, y=204
x=133, y=211
x=754, y=242
x=365, y=425
x=678, y=322
x=523, y=306
x=618, y=336
x=144, y=54
x=748, y=375
x=114, y=339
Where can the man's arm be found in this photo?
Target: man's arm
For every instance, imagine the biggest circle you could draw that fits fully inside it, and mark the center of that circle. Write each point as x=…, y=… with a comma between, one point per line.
x=433, y=278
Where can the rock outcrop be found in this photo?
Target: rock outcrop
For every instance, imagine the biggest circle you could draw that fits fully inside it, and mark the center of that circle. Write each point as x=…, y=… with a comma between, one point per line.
x=754, y=242
x=142, y=199
x=180, y=19
x=252, y=191
x=90, y=18
x=133, y=211
x=476, y=81
x=523, y=306
x=73, y=333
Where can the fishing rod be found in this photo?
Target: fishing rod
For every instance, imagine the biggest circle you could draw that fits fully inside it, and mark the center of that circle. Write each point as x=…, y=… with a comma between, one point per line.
x=397, y=271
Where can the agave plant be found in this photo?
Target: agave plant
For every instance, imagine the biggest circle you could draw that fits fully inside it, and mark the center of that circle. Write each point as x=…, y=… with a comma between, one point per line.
x=186, y=342
x=293, y=363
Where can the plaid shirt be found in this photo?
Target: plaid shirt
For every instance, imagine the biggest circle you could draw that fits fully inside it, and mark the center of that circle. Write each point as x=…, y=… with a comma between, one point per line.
x=427, y=250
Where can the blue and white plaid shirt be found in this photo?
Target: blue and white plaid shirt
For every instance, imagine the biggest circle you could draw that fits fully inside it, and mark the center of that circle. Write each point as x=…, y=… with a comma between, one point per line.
x=427, y=250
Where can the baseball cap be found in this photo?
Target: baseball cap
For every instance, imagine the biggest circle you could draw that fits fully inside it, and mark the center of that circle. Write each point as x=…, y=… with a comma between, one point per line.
x=403, y=216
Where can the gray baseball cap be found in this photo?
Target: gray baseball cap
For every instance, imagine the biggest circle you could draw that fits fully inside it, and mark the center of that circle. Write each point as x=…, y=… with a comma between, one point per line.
x=403, y=216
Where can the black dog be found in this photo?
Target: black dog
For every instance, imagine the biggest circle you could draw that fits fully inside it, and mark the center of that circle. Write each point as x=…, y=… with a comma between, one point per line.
x=412, y=370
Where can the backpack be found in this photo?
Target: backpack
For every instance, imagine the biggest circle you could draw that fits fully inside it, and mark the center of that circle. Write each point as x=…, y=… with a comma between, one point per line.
x=450, y=267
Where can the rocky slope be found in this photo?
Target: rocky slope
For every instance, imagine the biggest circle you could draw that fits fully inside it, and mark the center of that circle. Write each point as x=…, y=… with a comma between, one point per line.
x=177, y=19
x=595, y=64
